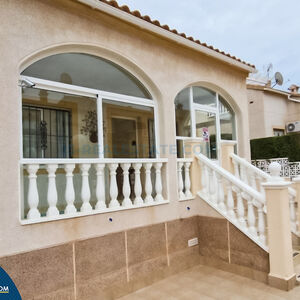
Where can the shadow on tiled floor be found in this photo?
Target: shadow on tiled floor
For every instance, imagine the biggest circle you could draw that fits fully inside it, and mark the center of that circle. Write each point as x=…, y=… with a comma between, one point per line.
x=206, y=283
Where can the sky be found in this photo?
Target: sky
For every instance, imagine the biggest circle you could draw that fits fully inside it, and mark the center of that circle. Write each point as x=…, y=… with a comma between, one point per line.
x=260, y=32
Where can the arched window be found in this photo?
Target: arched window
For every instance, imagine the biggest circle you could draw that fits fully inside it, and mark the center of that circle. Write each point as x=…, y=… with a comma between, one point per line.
x=205, y=115
x=81, y=106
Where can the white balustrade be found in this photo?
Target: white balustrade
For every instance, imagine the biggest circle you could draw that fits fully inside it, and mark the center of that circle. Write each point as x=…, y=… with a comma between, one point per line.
x=100, y=187
x=158, y=183
x=180, y=181
x=256, y=177
x=148, y=183
x=145, y=171
x=85, y=188
x=70, y=192
x=187, y=180
x=126, y=186
x=184, y=178
x=113, y=190
x=228, y=194
x=33, y=195
x=52, y=191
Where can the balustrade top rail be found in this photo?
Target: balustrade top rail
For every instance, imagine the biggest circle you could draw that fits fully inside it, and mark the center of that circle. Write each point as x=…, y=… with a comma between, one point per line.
x=42, y=161
x=184, y=160
x=237, y=182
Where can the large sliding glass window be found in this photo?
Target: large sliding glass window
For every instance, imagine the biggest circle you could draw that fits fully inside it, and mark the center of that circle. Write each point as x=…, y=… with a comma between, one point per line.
x=80, y=106
x=204, y=115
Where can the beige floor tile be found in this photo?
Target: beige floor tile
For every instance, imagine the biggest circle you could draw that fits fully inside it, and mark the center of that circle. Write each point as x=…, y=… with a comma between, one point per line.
x=207, y=283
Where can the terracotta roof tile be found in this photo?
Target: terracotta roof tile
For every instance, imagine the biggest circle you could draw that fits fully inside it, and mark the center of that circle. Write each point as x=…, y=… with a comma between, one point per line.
x=146, y=18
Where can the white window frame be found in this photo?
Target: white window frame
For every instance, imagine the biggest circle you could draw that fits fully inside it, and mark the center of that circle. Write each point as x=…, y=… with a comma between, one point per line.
x=99, y=95
x=207, y=108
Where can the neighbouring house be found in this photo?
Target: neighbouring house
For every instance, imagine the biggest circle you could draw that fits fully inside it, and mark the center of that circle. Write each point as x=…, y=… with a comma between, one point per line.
x=121, y=145
x=272, y=112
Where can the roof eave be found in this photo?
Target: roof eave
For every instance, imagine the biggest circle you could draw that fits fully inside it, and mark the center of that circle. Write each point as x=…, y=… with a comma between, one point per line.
x=166, y=34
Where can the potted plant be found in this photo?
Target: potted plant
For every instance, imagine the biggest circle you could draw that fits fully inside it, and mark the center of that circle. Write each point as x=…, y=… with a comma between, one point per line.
x=90, y=126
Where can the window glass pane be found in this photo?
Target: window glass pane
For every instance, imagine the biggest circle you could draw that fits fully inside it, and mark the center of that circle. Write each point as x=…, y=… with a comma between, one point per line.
x=183, y=115
x=206, y=128
x=227, y=120
x=65, y=126
x=204, y=96
x=180, y=149
x=128, y=130
x=87, y=71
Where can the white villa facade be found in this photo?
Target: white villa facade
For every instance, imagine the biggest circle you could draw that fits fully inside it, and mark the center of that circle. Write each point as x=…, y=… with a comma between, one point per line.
x=121, y=145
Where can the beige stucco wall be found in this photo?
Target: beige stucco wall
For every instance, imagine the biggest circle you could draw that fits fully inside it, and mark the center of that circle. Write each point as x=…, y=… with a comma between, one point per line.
x=269, y=110
x=33, y=29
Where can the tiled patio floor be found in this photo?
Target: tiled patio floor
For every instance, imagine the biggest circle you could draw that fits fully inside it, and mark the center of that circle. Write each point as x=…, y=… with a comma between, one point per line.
x=206, y=283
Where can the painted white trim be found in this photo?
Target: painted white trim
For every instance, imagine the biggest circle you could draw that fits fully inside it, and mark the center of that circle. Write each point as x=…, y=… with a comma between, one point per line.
x=218, y=129
x=100, y=127
x=164, y=33
x=192, y=113
x=47, y=161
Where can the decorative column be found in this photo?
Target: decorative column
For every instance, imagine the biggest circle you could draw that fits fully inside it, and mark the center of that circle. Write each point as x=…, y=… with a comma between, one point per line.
x=137, y=185
x=180, y=181
x=227, y=147
x=148, y=183
x=192, y=147
x=158, y=183
x=100, y=188
x=52, y=191
x=126, y=186
x=33, y=195
x=85, y=188
x=70, y=192
x=282, y=274
x=187, y=181
x=113, y=189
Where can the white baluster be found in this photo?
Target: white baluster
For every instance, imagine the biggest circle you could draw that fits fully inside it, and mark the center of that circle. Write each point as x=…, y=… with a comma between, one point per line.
x=203, y=177
x=148, y=183
x=100, y=187
x=180, y=181
x=126, y=186
x=113, y=189
x=188, y=193
x=251, y=217
x=240, y=208
x=230, y=202
x=236, y=168
x=244, y=176
x=33, y=195
x=220, y=193
x=158, y=183
x=253, y=180
x=211, y=185
x=137, y=185
x=85, y=188
x=52, y=191
x=262, y=191
x=261, y=225
x=292, y=212
x=69, y=192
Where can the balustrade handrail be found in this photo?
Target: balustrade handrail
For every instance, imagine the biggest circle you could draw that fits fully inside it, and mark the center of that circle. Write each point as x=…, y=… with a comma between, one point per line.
x=258, y=171
x=42, y=161
x=231, y=178
x=184, y=159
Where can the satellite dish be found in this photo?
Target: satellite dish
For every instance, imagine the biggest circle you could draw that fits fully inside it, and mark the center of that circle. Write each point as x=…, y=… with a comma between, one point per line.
x=278, y=78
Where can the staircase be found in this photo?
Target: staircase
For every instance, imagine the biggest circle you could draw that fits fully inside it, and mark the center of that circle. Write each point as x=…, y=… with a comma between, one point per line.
x=240, y=198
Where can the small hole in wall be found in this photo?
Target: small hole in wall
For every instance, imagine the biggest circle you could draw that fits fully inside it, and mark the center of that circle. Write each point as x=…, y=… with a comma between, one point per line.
x=251, y=102
x=110, y=219
x=188, y=208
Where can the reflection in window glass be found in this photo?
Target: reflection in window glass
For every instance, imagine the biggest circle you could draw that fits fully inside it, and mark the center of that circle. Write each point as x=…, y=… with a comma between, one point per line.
x=87, y=71
x=128, y=130
x=58, y=125
x=227, y=120
x=204, y=96
x=206, y=129
x=183, y=115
